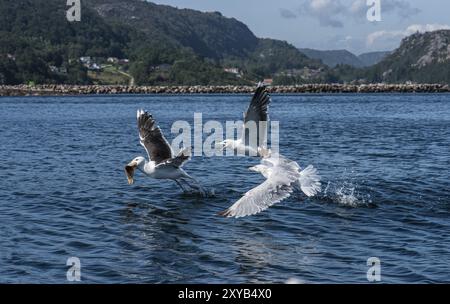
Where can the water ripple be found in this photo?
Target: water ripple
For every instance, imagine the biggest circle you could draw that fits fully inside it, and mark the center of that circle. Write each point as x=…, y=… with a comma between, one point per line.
x=384, y=160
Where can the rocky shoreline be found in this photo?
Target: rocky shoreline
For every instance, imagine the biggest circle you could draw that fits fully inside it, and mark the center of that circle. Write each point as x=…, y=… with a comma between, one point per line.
x=55, y=90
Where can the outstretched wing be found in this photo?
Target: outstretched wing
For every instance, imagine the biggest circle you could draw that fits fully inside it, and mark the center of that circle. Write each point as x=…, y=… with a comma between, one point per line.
x=152, y=139
x=257, y=110
x=258, y=199
x=257, y=113
x=276, y=188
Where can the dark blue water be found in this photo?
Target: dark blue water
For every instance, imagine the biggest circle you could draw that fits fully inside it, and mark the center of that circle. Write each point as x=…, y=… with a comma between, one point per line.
x=384, y=160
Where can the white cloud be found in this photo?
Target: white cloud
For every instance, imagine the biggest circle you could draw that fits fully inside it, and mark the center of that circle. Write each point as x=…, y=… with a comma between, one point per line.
x=327, y=12
x=402, y=7
x=358, y=7
x=399, y=34
x=334, y=13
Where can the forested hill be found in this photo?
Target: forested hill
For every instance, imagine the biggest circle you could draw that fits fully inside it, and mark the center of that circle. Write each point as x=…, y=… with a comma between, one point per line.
x=207, y=34
x=163, y=45
x=138, y=42
x=35, y=34
x=333, y=58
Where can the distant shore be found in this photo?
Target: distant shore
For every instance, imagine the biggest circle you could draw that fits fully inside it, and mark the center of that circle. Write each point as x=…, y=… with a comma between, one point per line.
x=55, y=90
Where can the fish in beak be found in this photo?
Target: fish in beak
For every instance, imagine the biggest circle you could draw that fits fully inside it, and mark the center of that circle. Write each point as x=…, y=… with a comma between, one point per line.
x=129, y=170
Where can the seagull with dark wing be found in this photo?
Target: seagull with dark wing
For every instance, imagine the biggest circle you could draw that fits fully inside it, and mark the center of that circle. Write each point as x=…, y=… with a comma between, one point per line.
x=283, y=177
x=162, y=163
x=254, y=133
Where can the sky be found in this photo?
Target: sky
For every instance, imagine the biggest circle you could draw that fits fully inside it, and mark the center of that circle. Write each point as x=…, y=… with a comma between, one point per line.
x=331, y=24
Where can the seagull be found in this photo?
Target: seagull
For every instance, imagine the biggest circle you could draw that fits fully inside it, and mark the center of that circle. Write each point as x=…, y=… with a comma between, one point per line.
x=283, y=177
x=162, y=164
x=255, y=119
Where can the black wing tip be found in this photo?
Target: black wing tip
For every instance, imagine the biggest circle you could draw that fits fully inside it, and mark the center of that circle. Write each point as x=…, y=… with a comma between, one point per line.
x=261, y=91
x=144, y=118
x=144, y=114
x=262, y=94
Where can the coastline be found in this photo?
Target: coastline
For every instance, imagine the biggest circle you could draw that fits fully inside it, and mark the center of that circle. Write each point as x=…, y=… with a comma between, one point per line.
x=56, y=90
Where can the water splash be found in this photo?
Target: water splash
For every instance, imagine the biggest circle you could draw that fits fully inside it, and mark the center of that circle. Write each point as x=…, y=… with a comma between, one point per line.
x=347, y=194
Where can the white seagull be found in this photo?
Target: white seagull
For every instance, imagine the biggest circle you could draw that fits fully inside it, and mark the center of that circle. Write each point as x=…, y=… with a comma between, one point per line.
x=254, y=133
x=283, y=176
x=162, y=164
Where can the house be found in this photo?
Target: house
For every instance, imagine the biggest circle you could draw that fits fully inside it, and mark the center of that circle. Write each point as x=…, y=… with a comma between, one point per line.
x=112, y=60
x=115, y=60
x=123, y=61
x=291, y=73
x=232, y=70
x=304, y=73
x=268, y=81
x=58, y=70
x=94, y=67
x=86, y=60
x=90, y=63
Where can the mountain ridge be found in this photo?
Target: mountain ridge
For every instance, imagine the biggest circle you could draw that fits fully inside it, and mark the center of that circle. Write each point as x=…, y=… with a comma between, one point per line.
x=171, y=46
x=372, y=58
x=192, y=46
x=421, y=57
x=332, y=58
x=207, y=34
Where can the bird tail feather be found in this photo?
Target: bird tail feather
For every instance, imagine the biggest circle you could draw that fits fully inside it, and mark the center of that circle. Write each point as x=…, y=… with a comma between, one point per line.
x=309, y=181
x=181, y=158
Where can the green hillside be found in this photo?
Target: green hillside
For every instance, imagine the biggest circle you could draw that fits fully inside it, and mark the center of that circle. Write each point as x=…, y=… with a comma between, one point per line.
x=142, y=43
x=163, y=45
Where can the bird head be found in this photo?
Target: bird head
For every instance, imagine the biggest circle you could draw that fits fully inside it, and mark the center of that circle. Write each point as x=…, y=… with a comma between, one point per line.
x=257, y=168
x=138, y=162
